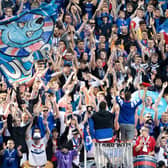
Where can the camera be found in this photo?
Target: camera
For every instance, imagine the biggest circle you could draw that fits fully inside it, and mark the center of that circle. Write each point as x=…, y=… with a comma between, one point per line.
x=165, y=129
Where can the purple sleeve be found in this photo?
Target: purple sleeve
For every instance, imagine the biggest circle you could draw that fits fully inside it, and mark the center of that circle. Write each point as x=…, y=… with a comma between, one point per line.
x=58, y=153
x=74, y=153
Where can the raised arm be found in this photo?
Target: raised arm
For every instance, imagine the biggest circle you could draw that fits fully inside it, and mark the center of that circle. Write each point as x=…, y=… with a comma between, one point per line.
x=1, y=12
x=21, y=7
x=142, y=113
x=161, y=94
x=28, y=131
x=47, y=129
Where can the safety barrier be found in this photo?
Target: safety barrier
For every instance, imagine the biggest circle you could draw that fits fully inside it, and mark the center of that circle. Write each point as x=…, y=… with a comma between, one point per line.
x=113, y=155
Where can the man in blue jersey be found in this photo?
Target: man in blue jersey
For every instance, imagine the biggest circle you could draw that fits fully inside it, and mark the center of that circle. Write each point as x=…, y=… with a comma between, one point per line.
x=127, y=114
x=10, y=155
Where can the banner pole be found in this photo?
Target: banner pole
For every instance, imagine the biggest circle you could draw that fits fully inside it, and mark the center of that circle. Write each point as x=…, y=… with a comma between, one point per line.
x=85, y=158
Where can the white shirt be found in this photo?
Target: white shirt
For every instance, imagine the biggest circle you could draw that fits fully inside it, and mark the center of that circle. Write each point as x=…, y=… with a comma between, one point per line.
x=136, y=20
x=160, y=156
x=37, y=153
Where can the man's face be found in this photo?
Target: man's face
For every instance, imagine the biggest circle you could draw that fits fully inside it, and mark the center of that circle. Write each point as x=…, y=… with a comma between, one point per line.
x=163, y=141
x=143, y=27
x=27, y=95
x=117, y=66
x=150, y=43
x=145, y=132
x=8, y=12
x=67, y=70
x=164, y=117
x=25, y=117
x=147, y=117
x=45, y=112
x=124, y=30
x=140, y=13
x=18, y=122
x=64, y=150
x=56, y=31
x=69, y=56
x=62, y=45
x=122, y=14
x=68, y=19
x=102, y=39
x=10, y=144
x=154, y=59
x=133, y=49
x=138, y=60
x=99, y=63
x=157, y=13
x=22, y=88
x=81, y=45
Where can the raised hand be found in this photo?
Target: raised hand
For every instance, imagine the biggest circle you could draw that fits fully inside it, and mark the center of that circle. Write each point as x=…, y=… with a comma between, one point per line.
x=19, y=147
x=164, y=85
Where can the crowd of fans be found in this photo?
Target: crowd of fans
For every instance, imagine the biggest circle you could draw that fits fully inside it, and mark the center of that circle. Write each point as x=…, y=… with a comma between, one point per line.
x=102, y=51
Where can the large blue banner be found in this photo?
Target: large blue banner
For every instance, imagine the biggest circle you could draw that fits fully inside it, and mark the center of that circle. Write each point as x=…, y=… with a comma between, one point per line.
x=21, y=37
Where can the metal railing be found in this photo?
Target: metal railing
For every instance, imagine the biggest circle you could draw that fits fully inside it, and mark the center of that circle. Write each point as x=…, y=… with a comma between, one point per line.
x=113, y=155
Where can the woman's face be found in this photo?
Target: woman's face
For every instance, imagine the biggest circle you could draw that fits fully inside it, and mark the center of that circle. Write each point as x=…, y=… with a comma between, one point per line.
x=149, y=101
x=99, y=63
x=85, y=56
x=150, y=8
x=4, y=86
x=55, y=135
x=129, y=8
x=166, y=47
x=73, y=122
x=102, y=55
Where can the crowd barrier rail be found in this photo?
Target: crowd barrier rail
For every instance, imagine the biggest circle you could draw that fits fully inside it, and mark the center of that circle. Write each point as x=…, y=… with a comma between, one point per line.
x=113, y=155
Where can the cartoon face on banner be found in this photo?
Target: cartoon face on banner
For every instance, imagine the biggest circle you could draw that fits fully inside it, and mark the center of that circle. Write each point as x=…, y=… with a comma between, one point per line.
x=27, y=34
x=19, y=40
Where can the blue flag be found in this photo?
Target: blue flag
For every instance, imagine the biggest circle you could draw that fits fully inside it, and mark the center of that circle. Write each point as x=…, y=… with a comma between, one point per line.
x=163, y=27
x=21, y=37
x=87, y=139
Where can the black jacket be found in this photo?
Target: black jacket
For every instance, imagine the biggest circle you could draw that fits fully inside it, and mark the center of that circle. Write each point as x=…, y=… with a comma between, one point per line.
x=17, y=134
x=61, y=141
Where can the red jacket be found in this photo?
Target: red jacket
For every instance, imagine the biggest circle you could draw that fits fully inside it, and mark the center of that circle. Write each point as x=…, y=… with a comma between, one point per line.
x=150, y=146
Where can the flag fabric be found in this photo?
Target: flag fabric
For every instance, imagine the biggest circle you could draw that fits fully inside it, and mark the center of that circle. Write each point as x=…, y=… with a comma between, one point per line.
x=164, y=29
x=87, y=139
x=21, y=37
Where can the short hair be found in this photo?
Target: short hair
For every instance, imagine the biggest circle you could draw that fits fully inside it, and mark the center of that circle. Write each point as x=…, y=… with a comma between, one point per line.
x=142, y=22
x=127, y=95
x=55, y=130
x=102, y=105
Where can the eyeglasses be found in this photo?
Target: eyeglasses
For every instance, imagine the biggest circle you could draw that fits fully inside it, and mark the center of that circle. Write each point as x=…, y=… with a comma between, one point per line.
x=148, y=117
x=45, y=110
